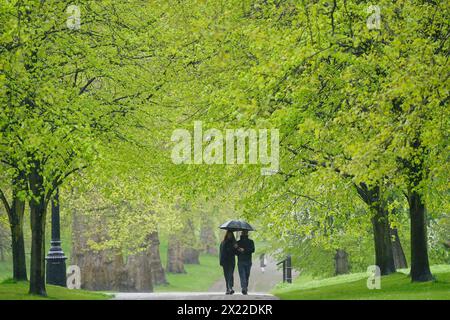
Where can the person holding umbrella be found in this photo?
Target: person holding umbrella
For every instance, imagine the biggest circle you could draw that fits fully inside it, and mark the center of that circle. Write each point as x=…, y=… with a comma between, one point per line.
x=243, y=249
x=227, y=255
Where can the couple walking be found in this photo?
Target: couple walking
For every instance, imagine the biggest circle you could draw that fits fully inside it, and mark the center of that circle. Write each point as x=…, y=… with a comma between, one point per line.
x=243, y=249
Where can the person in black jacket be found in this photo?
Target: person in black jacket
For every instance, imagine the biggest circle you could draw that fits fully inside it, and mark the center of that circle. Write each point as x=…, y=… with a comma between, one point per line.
x=227, y=255
x=245, y=249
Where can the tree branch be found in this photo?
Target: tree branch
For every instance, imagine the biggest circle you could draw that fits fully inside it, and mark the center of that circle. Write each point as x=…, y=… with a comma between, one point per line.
x=84, y=88
x=5, y=202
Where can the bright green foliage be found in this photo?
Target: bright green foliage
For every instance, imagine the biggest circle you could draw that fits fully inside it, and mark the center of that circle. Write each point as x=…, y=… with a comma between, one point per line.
x=353, y=105
x=92, y=109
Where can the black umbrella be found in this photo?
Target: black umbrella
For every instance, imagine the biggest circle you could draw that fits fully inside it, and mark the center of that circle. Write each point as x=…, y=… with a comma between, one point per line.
x=236, y=225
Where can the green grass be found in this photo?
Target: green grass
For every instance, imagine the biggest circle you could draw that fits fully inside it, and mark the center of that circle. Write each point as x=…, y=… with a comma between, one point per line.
x=397, y=286
x=198, y=277
x=5, y=269
x=10, y=290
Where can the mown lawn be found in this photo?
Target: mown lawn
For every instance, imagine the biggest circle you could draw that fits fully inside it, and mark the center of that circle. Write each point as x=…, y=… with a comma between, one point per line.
x=10, y=290
x=197, y=277
x=397, y=286
x=5, y=269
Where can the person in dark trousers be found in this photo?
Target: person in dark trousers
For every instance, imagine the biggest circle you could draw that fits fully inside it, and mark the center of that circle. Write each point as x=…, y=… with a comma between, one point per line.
x=227, y=258
x=245, y=249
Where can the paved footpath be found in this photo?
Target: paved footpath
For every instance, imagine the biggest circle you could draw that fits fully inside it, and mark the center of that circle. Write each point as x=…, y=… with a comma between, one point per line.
x=259, y=281
x=260, y=284
x=192, y=296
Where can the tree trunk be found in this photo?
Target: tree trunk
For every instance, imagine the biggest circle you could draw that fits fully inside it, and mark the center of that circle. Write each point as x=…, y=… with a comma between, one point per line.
x=420, y=268
x=207, y=237
x=341, y=262
x=175, y=256
x=38, y=213
x=15, y=216
x=2, y=244
x=3, y=241
x=18, y=253
x=384, y=257
x=399, y=255
x=191, y=256
x=139, y=272
x=158, y=274
x=37, y=267
x=100, y=269
x=17, y=240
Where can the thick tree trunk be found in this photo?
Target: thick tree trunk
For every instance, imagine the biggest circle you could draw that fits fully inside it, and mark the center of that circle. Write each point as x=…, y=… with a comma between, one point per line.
x=37, y=266
x=158, y=274
x=139, y=272
x=191, y=256
x=17, y=240
x=399, y=255
x=15, y=213
x=100, y=269
x=341, y=262
x=38, y=206
x=18, y=253
x=420, y=268
x=175, y=262
x=384, y=257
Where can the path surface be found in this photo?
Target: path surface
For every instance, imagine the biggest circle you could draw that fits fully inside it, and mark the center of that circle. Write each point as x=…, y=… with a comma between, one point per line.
x=259, y=281
x=260, y=285
x=192, y=296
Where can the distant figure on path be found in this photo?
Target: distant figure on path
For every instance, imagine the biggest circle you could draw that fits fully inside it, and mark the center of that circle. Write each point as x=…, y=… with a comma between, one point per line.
x=245, y=249
x=227, y=258
x=262, y=262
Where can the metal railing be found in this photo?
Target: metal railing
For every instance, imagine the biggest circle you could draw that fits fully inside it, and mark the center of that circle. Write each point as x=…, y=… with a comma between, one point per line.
x=287, y=269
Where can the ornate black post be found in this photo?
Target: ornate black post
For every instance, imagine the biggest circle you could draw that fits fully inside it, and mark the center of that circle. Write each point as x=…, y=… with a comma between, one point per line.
x=56, y=260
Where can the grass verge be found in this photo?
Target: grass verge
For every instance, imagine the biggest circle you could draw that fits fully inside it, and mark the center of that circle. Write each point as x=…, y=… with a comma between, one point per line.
x=397, y=286
x=11, y=290
x=198, y=277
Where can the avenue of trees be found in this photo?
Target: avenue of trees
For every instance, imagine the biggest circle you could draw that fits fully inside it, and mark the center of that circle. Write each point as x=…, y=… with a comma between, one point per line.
x=363, y=114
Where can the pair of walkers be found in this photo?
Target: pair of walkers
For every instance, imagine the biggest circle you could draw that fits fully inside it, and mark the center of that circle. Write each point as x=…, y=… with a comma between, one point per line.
x=243, y=249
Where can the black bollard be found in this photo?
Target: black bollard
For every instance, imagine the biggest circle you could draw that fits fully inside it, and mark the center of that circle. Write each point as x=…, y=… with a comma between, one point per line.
x=289, y=269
